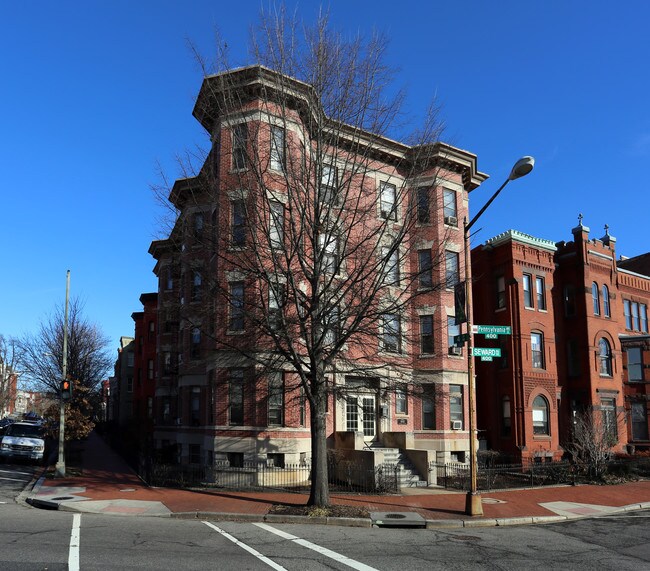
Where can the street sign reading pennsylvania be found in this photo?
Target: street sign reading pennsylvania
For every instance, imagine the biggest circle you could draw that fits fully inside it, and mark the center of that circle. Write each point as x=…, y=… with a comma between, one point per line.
x=492, y=330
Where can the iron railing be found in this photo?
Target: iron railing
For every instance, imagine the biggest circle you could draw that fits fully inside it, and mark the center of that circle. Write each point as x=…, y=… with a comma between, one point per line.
x=342, y=477
x=502, y=476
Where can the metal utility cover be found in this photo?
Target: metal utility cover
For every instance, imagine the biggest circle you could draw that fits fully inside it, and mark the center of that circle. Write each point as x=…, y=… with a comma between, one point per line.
x=397, y=519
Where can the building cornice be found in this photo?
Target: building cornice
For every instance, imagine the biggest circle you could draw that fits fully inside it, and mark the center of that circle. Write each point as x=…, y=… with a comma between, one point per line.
x=516, y=236
x=232, y=88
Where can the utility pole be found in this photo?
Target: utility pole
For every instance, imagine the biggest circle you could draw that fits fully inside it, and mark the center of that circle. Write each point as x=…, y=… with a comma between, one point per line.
x=60, y=464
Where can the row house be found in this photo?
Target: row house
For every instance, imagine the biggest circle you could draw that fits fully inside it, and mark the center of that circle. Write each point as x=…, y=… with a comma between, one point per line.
x=213, y=401
x=144, y=368
x=578, y=342
x=120, y=405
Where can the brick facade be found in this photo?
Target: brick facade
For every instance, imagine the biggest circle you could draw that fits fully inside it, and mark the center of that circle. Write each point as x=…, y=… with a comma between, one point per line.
x=586, y=335
x=212, y=404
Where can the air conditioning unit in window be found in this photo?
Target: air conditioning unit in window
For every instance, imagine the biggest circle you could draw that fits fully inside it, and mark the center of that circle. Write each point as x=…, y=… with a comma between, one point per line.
x=451, y=220
x=455, y=350
x=457, y=425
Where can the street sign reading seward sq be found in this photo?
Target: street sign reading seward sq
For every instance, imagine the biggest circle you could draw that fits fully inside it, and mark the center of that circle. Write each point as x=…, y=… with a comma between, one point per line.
x=486, y=352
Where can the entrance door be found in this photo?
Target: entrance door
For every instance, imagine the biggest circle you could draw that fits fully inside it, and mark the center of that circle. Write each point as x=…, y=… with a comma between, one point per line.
x=361, y=416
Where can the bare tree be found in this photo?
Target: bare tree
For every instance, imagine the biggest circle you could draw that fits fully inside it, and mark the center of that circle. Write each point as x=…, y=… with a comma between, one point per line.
x=88, y=360
x=323, y=266
x=593, y=438
x=9, y=358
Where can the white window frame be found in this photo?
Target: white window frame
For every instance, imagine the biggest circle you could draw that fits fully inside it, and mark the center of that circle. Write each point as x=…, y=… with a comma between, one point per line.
x=278, y=148
x=388, y=200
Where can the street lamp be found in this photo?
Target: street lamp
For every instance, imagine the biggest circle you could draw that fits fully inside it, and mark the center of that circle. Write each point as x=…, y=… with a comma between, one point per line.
x=473, y=505
x=60, y=464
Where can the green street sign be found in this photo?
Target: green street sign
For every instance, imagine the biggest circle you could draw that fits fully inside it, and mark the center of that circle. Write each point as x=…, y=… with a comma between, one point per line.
x=486, y=352
x=492, y=330
x=491, y=335
x=486, y=358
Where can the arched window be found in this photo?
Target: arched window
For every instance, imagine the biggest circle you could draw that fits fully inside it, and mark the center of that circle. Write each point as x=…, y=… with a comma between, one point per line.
x=605, y=357
x=540, y=416
x=606, y=311
x=596, y=297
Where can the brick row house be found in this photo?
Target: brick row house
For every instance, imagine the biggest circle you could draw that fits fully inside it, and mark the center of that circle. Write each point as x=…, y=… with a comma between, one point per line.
x=579, y=342
x=213, y=400
x=144, y=369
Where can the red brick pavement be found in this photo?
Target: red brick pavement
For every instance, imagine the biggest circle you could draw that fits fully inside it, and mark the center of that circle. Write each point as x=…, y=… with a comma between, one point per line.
x=106, y=476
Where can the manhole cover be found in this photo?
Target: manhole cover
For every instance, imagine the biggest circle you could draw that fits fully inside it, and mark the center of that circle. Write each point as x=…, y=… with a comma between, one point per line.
x=392, y=519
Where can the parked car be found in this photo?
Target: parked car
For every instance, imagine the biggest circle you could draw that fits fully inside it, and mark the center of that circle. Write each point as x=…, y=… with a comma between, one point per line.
x=4, y=424
x=23, y=440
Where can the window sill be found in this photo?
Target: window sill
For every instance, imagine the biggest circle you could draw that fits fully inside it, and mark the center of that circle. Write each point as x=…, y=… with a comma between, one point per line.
x=500, y=309
x=391, y=353
x=235, y=332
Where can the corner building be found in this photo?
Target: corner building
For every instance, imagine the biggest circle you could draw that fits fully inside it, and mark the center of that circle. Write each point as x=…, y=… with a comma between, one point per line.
x=211, y=403
x=579, y=342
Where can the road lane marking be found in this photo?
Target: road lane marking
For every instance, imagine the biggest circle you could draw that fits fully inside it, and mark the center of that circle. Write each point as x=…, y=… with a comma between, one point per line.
x=14, y=479
x=322, y=550
x=30, y=474
x=73, y=554
x=248, y=548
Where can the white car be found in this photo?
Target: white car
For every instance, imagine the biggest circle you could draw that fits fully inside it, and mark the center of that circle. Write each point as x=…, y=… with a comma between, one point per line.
x=23, y=440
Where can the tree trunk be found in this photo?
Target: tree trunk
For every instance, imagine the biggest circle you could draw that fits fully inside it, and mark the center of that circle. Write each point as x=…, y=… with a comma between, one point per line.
x=319, y=493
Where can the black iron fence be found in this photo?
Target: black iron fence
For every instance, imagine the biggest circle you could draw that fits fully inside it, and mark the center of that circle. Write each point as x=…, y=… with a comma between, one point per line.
x=342, y=477
x=348, y=476
x=502, y=476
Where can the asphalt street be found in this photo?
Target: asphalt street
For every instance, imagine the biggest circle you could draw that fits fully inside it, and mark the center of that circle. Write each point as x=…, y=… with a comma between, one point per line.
x=36, y=539
x=42, y=539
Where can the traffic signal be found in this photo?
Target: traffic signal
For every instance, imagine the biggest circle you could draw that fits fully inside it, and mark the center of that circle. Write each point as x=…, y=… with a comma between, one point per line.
x=66, y=389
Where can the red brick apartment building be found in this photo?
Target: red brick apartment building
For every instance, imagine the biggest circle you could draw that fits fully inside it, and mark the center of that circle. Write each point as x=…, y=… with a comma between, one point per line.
x=579, y=323
x=145, y=366
x=211, y=403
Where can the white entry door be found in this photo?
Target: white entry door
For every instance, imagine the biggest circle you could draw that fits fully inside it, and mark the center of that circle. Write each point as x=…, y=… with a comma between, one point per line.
x=361, y=416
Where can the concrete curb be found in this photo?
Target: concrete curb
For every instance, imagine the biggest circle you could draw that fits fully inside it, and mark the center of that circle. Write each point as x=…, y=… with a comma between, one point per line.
x=346, y=521
x=31, y=499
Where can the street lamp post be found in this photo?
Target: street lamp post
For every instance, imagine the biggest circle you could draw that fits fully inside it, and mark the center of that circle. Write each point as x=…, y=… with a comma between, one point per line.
x=473, y=505
x=60, y=464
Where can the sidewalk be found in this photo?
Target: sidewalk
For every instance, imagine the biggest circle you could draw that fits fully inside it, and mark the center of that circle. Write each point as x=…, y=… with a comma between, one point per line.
x=108, y=485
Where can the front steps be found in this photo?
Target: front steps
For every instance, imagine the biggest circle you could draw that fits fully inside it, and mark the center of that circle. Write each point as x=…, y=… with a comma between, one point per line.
x=408, y=475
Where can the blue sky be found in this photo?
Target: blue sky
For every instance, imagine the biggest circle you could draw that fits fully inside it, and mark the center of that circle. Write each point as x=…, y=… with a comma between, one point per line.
x=96, y=93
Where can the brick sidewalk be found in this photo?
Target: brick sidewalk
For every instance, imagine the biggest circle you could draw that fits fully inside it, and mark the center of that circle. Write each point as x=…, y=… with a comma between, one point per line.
x=106, y=477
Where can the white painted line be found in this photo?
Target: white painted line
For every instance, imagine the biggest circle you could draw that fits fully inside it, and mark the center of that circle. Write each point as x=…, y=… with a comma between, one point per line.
x=14, y=479
x=250, y=550
x=73, y=555
x=322, y=550
x=16, y=472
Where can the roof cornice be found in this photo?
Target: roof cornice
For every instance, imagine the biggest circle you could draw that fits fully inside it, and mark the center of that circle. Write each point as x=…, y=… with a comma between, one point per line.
x=516, y=236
